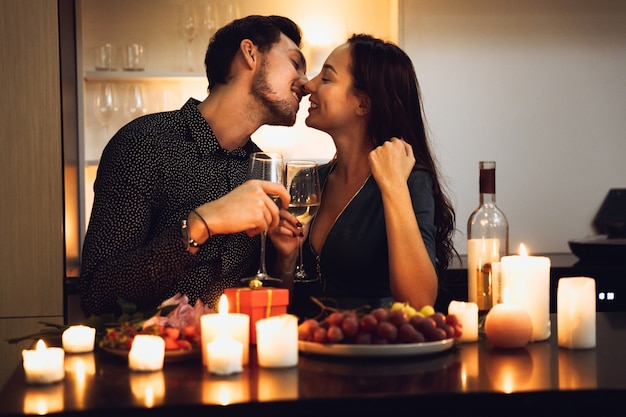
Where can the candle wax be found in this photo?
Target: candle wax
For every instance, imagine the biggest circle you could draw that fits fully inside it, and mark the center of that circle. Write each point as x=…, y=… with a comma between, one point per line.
x=467, y=313
x=224, y=356
x=43, y=365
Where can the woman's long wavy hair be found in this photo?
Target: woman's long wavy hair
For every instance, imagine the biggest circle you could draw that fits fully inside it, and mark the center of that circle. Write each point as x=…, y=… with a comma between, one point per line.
x=386, y=74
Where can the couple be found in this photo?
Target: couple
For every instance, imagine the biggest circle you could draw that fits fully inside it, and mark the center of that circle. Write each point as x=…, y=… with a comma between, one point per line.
x=173, y=212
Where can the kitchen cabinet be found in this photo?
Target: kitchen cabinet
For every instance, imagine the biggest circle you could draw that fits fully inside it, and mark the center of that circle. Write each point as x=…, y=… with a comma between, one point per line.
x=31, y=173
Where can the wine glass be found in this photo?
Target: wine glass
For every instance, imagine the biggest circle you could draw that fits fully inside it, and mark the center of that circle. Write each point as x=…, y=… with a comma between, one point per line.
x=303, y=184
x=135, y=105
x=188, y=30
x=210, y=18
x=105, y=106
x=268, y=167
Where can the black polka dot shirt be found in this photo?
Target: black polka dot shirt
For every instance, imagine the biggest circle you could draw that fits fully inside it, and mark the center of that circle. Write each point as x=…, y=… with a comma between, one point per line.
x=151, y=174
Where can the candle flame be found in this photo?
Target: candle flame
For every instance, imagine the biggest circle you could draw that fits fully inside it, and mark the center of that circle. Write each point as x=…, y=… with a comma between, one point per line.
x=522, y=250
x=41, y=345
x=223, y=305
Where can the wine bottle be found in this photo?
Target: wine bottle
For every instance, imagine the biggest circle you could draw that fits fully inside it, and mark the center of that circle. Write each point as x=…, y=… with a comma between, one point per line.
x=487, y=243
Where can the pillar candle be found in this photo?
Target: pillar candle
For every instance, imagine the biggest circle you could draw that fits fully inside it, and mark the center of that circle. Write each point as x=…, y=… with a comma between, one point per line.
x=528, y=281
x=576, y=312
x=277, y=341
x=233, y=325
x=79, y=339
x=147, y=353
x=467, y=313
x=43, y=365
x=224, y=355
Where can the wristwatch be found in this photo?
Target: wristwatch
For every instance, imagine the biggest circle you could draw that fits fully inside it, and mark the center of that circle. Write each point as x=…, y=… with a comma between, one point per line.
x=188, y=240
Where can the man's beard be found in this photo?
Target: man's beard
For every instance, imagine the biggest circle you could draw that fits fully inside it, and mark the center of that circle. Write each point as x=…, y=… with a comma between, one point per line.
x=280, y=111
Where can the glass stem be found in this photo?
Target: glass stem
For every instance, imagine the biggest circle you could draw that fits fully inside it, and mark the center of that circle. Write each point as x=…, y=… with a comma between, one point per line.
x=262, y=270
x=300, y=270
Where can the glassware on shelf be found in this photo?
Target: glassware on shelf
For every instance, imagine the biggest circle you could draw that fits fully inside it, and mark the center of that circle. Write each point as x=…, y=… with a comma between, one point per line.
x=229, y=11
x=303, y=184
x=105, y=106
x=135, y=105
x=267, y=167
x=188, y=30
x=488, y=242
x=210, y=19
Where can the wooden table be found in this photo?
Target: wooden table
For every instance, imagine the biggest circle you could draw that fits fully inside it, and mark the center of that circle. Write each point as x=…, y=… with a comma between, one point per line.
x=469, y=379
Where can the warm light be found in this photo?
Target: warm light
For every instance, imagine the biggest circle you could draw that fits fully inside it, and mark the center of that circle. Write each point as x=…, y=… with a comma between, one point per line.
x=43, y=365
x=522, y=250
x=222, y=307
x=40, y=346
x=506, y=297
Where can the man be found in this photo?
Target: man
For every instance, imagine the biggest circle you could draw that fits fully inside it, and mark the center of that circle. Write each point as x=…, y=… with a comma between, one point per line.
x=172, y=212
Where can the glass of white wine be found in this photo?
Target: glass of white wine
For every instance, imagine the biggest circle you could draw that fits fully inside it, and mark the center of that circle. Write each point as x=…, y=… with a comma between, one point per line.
x=303, y=183
x=268, y=167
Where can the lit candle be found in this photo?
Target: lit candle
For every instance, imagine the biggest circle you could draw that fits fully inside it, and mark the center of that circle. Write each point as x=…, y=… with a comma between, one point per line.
x=467, y=313
x=79, y=339
x=277, y=341
x=43, y=365
x=233, y=325
x=528, y=281
x=576, y=312
x=147, y=353
x=224, y=355
x=508, y=325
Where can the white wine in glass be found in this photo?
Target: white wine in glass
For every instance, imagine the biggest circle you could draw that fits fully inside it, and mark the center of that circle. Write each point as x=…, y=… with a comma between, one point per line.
x=267, y=167
x=303, y=183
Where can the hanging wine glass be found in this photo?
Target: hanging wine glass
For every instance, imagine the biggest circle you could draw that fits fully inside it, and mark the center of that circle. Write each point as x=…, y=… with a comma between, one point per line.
x=188, y=30
x=135, y=105
x=105, y=106
x=267, y=167
x=209, y=19
x=303, y=184
x=229, y=11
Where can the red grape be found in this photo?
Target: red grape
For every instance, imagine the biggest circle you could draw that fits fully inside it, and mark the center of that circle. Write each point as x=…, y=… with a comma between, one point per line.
x=368, y=323
x=334, y=334
x=387, y=331
x=350, y=325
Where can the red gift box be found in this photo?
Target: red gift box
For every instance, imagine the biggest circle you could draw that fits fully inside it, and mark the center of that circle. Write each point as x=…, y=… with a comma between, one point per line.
x=257, y=303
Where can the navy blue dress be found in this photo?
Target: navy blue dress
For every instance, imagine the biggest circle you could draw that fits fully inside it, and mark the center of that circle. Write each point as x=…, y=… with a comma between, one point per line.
x=353, y=265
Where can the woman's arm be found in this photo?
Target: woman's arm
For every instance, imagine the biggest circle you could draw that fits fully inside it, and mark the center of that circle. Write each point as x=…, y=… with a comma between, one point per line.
x=412, y=274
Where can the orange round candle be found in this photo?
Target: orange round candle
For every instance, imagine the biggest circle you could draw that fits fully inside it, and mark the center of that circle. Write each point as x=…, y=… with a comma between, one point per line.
x=508, y=326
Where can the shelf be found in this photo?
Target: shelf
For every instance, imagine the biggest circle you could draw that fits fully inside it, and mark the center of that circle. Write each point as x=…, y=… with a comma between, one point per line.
x=143, y=76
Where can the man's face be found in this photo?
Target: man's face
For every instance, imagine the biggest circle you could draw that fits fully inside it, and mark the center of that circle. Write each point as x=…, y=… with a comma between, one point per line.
x=279, y=80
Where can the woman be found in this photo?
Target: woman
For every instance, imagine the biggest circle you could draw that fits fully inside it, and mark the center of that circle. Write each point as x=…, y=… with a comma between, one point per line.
x=384, y=228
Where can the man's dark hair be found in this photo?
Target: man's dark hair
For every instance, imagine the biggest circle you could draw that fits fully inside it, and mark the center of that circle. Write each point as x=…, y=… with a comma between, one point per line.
x=263, y=31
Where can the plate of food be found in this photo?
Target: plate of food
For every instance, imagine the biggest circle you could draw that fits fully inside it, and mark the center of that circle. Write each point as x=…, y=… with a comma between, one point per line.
x=385, y=350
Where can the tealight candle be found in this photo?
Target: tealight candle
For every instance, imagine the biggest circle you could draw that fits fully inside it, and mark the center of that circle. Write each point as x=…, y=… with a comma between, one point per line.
x=277, y=341
x=233, y=325
x=79, y=339
x=576, y=312
x=528, y=281
x=467, y=313
x=224, y=356
x=147, y=353
x=43, y=365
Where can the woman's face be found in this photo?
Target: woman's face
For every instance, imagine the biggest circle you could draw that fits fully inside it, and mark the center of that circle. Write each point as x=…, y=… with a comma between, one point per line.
x=334, y=105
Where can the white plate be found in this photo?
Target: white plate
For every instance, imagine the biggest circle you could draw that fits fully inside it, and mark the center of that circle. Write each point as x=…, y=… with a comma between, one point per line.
x=400, y=349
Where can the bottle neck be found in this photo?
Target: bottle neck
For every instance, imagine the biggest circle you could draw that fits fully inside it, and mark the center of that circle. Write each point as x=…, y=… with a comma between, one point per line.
x=487, y=185
x=488, y=198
